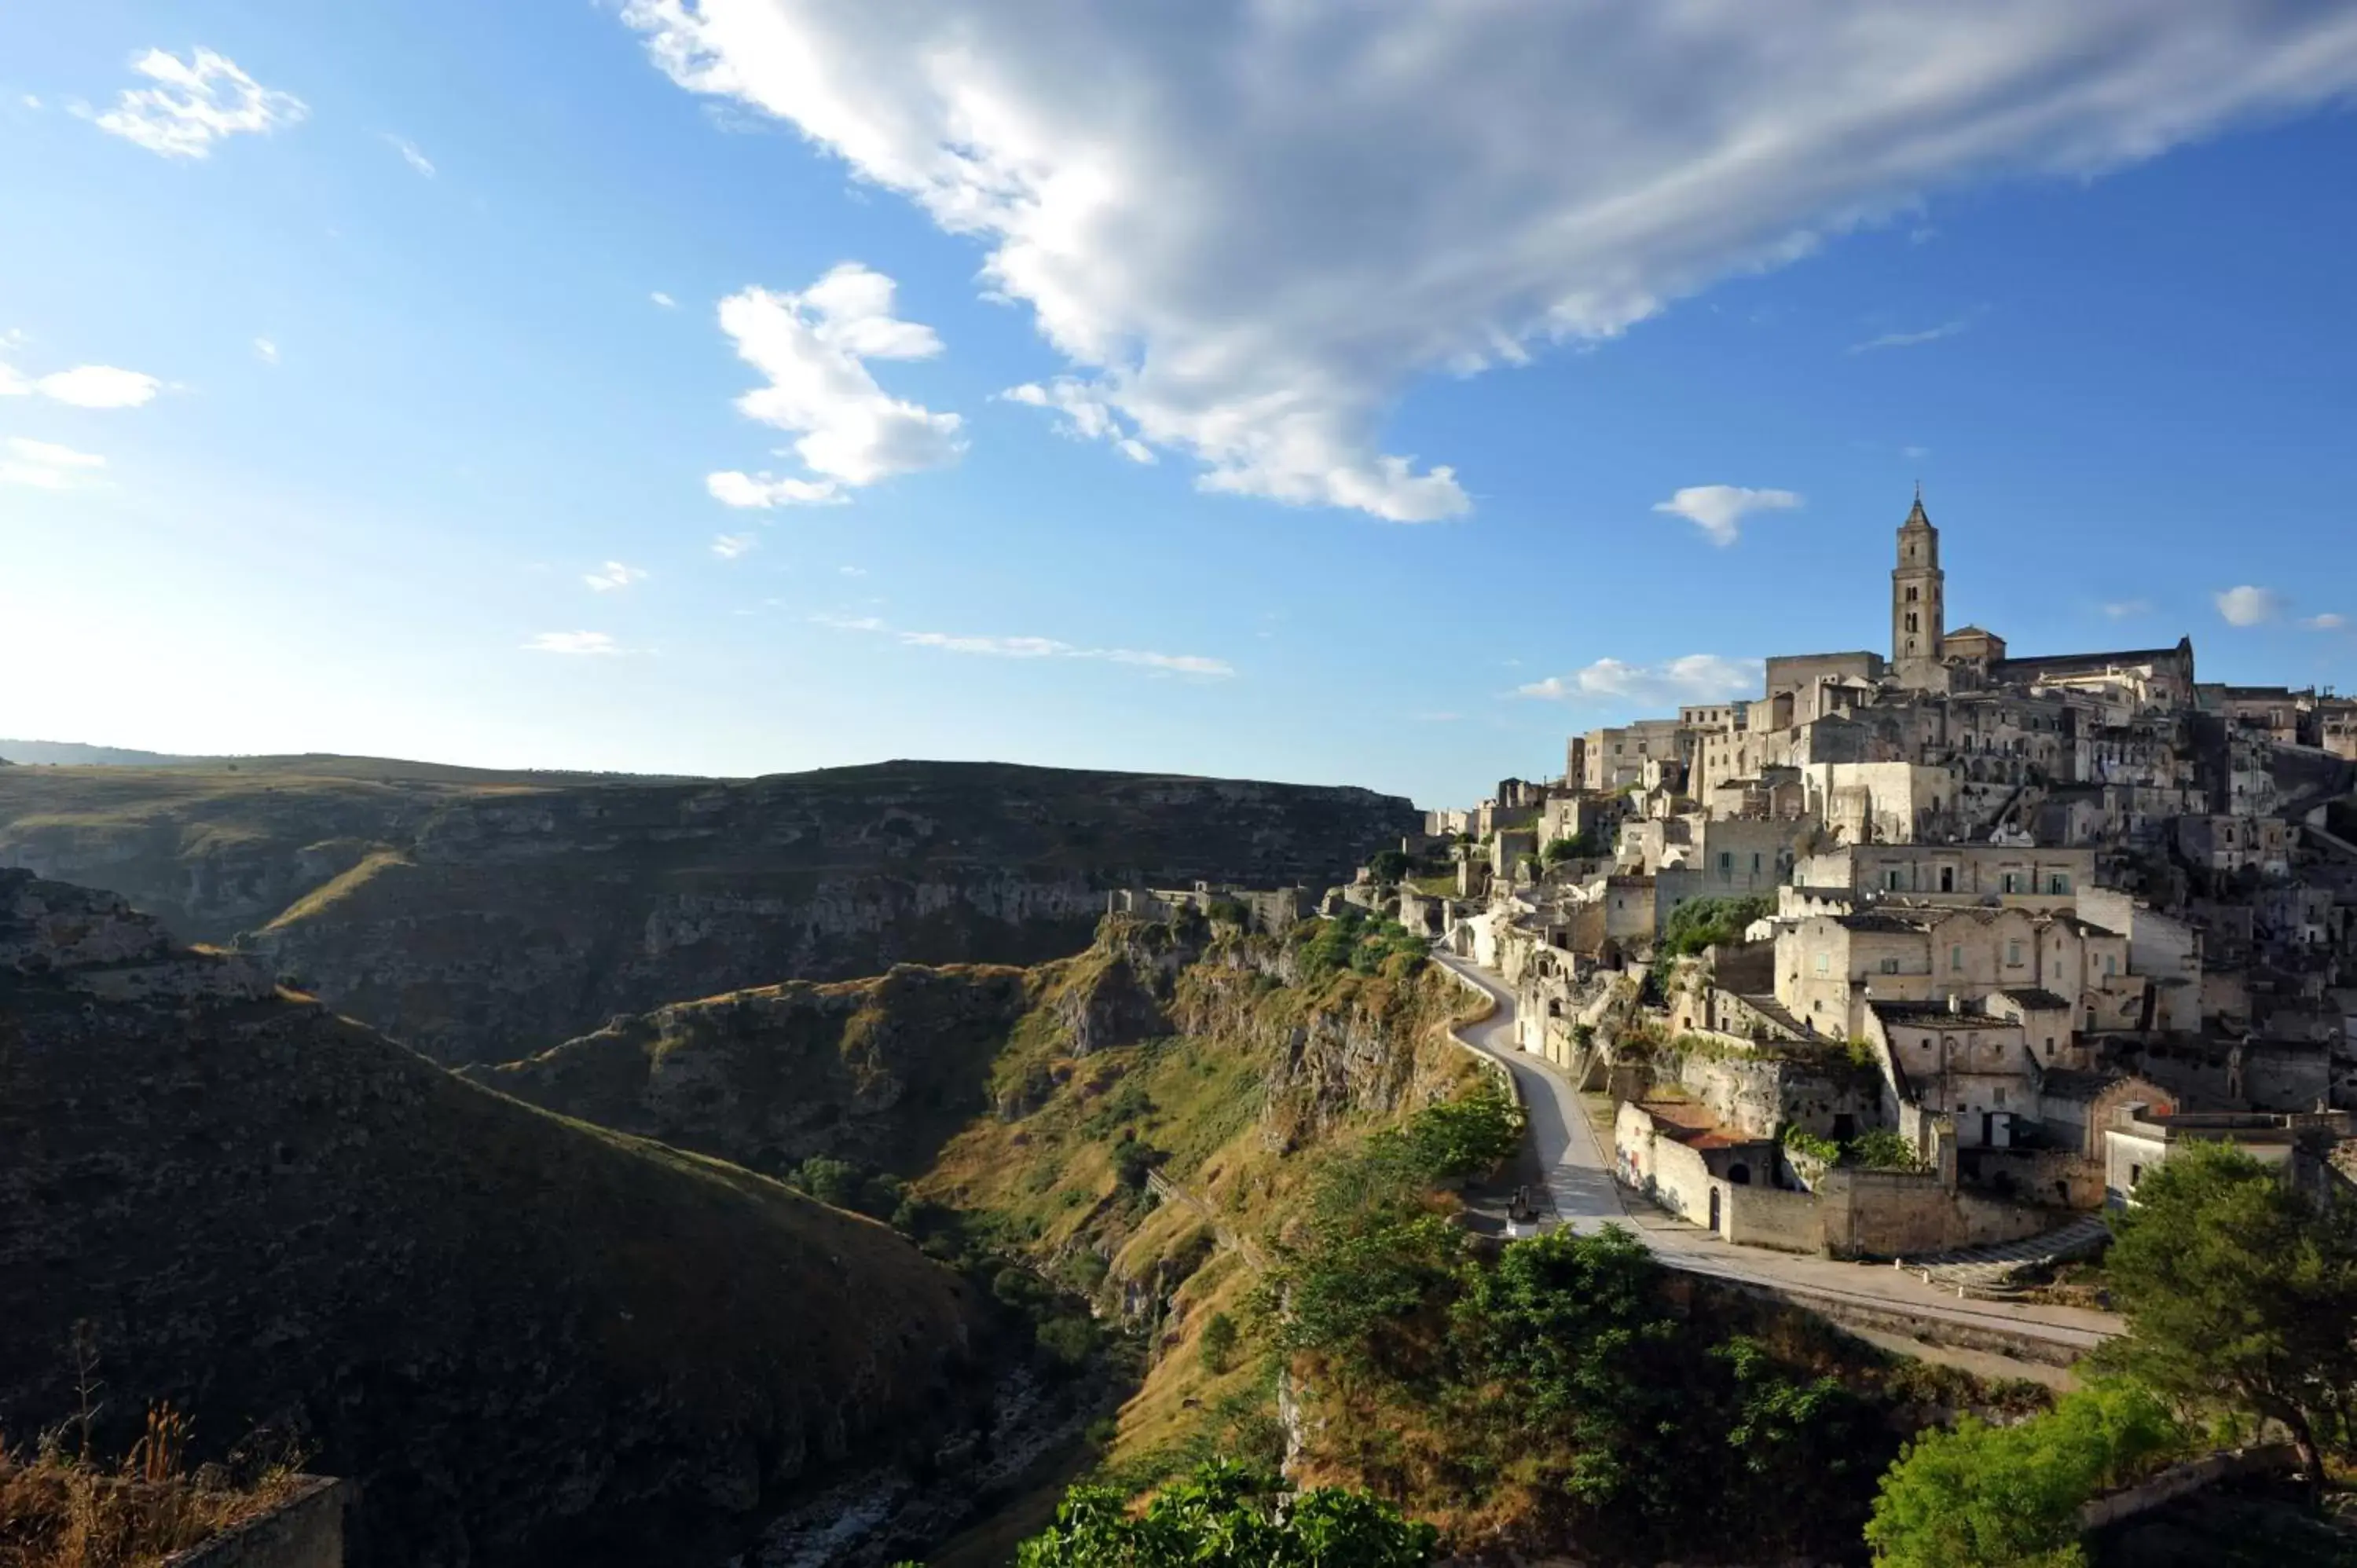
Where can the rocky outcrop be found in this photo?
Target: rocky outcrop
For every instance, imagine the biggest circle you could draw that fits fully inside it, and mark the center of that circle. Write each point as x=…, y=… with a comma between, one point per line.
x=485, y=922
x=531, y=1341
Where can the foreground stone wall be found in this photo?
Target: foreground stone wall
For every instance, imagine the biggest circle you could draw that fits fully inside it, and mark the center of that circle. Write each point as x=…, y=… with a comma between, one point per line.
x=306, y=1530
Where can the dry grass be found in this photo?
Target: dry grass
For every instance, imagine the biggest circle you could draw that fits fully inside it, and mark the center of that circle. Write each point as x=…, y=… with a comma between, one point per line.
x=61, y=1510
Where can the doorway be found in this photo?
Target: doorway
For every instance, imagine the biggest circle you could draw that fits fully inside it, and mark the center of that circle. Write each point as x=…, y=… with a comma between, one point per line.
x=1714, y=1211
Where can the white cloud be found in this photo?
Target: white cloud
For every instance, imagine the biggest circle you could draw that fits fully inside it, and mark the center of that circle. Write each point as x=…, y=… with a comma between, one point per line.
x=614, y=574
x=853, y=571
x=2248, y=606
x=2126, y=609
x=1914, y=451
x=587, y=643
x=30, y=101
x=1032, y=647
x=1909, y=340
x=1086, y=416
x=1248, y=227
x=195, y=103
x=666, y=301
x=84, y=386
x=265, y=350
x=728, y=546
x=98, y=386
x=734, y=489
x=1719, y=510
x=410, y=154
x=2329, y=621
x=46, y=466
x=1693, y=678
x=813, y=348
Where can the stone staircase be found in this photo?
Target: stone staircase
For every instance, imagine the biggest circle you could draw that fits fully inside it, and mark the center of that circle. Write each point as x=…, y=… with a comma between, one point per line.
x=1994, y=1272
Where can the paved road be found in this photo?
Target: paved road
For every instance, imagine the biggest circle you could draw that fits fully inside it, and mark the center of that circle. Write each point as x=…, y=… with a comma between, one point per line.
x=1577, y=1171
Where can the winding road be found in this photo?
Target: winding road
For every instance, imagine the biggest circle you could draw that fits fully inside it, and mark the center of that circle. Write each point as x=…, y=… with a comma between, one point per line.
x=1577, y=1170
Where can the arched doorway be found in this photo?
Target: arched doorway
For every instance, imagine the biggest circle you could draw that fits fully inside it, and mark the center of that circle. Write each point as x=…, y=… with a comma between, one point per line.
x=1714, y=1210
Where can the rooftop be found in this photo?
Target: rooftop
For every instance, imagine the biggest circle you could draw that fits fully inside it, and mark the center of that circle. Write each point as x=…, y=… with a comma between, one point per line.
x=1936, y=1014
x=2035, y=996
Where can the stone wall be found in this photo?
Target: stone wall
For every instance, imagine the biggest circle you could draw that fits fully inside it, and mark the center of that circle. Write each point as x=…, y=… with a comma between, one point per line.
x=1893, y=1214
x=1761, y=1094
x=1763, y=1217
x=306, y=1530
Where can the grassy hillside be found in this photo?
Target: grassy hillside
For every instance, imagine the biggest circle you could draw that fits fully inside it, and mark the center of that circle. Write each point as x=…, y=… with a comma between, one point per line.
x=1021, y=1112
x=533, y=1340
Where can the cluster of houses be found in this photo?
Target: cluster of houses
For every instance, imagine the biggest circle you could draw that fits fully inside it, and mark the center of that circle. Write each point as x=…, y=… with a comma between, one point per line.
x=1988, y=936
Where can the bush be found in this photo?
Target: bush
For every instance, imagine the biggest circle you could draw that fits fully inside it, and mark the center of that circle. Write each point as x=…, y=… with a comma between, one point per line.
x=1389, y=865
x=1468, y=1136
x=1879, y=1149
x=1700, y=923
x=1977, y=1496
x=1229, y=1517
x=1217, y=1344
x=1228, y=912
x=1801, y=1141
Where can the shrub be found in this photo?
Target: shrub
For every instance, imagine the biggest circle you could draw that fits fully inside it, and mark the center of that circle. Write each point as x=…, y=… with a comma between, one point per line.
x=1229, y=1517
x=1977, y=1496
x=1217, y=1344
x=1467, y=1136
x=1879, y=1149
x=1801, y=1141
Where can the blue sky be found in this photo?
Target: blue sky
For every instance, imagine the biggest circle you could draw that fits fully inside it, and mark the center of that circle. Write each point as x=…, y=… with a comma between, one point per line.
x=335, y=369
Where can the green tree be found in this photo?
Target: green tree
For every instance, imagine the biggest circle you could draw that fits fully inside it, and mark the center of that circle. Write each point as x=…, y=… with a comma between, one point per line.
x=1700, y=923
x=1571, y=1332
x=1217, y=1344
x=1467, y=1136
x=2241, y=1294
x=1227, y=1515
x=1388, y=865
x=1976, y=1495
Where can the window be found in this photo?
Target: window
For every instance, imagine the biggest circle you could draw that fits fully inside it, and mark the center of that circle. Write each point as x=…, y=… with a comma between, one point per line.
x=2000, y=1100
x=1891, y=966
x=1956, y=959
x=2136, y=1174
x=1822, y=964
x=1726, y=860
x=2012, y=882
x=1755, y=862
x=2049, y=1048
x=2111, y=963
x=1911, y=592
x=2013, y=953
x=1912, y=625
x=1891, y=879
x=2058, y=882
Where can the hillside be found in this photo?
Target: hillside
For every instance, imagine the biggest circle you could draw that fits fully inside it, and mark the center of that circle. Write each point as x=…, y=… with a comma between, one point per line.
x=532, y=1340
x=1024, y=1108
x=483, y=918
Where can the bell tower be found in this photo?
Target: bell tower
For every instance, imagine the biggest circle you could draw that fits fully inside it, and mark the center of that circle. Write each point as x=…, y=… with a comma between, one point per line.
x=1918, y=594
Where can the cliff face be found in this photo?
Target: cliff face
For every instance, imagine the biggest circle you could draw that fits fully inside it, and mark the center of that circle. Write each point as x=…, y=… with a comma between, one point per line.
x=531, y=1341
x=481, y=922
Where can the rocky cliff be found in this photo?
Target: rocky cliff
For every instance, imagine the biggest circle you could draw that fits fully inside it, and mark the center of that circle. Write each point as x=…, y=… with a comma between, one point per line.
x=533, y=1341
x=482, y=920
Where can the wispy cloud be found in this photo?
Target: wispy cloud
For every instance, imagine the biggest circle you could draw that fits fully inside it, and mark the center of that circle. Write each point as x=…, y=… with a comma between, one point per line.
x=2249, y=606
x=1085, y=416
x=194, y=104
x=2127, y=609
x=84, y=386
x=1031, y=648
x=593, y=644
x=1719, y=510
x=2329, y=620
x=410, y=154
x=46, y=466
x=666, y=301
x=1909, y=339
x=728, y=546
x=265, y=350
x=853, y=571
x=1693, y=678
x=614, y=574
